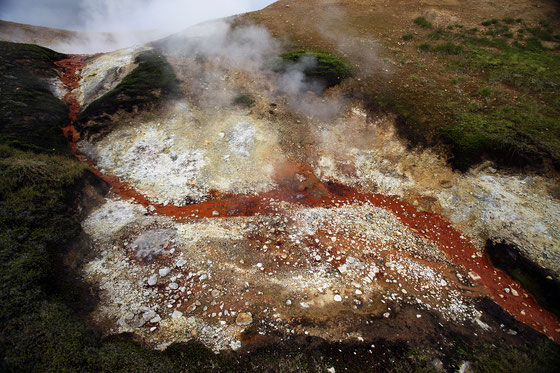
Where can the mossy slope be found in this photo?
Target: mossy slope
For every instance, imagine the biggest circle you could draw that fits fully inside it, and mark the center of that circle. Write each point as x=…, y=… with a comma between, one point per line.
x=27, y=107
x=144, y=88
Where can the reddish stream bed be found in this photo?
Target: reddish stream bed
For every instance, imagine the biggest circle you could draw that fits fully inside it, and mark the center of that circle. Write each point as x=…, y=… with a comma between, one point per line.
x=298, y=184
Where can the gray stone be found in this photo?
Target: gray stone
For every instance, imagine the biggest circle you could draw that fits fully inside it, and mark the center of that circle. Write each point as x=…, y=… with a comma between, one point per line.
x=152, y=280
x=174, y=286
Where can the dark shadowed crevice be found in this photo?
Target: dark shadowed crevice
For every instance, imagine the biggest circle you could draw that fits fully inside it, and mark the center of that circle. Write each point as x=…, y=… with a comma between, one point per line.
x=534, y=279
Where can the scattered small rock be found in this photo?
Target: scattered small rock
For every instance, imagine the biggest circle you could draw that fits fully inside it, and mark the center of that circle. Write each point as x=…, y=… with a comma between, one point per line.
x=152, y=280
x=337, y=298
x=244, y=319
x=164, y=271
x=176, y=314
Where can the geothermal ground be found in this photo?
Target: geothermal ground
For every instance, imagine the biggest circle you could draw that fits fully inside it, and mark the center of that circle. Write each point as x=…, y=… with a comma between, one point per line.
x=231, y=225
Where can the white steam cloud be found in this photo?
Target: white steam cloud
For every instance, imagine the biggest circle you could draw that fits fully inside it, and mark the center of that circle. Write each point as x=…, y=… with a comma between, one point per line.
x=224, y=48
x=105, y=25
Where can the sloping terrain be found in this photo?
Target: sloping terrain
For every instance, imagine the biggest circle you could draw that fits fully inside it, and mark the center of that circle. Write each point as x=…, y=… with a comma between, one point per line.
x=73, y=41
x=282, y=192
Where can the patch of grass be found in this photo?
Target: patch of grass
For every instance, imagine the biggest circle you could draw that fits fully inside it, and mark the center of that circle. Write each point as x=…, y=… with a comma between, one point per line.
x=508, y=20
x=485, y=92
x=425, y=47
x=438, y=34
x=448, y=48
x=541, y=34
x=422, y=22
x=142, y=88
x=244, y=100
x=457, y=80
x=408, y=36
x=323, y=66
x=514, y=135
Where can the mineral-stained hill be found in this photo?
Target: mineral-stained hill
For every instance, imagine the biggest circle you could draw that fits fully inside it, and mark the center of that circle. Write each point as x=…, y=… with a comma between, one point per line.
x=249, y=205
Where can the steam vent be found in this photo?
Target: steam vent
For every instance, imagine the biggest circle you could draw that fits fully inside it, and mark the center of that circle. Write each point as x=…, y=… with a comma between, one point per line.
x=317, y=186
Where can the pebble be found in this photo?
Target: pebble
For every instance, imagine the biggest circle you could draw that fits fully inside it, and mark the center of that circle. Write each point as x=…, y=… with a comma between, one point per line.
x=164, y=271
x=215, y=213
x=152, y=280
x=244, y=319
x=474, y=276
x=181, y=262
x=514, y=293
x=176, y=314
x=174, y=286
x=337, y=298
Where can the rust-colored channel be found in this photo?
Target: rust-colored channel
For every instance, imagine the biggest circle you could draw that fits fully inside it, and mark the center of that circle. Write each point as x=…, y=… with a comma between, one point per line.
x=298, y=184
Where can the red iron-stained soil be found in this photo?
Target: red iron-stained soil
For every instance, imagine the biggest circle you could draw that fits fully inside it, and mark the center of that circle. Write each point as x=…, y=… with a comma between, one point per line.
x=298, y=184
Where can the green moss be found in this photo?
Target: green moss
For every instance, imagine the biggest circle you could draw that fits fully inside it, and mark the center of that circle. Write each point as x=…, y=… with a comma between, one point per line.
x=514, y=135
x=152, y=80
x=422, y=22
x=327, y=67
x=244, y=100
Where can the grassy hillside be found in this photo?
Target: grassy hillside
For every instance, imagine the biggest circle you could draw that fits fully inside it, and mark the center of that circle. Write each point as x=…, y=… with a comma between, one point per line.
x=486, y=88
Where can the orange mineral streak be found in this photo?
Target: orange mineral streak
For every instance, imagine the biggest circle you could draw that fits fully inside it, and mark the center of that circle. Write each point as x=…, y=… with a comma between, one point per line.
x=298, y=184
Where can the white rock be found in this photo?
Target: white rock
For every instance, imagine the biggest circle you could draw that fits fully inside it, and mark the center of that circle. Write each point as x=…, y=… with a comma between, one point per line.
x=514, y=293
x=337, y=298
x=176, y=314
x=181, y=262
x=164, y=271
x=474, y=276
x=152, y=280
x=174, y=286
